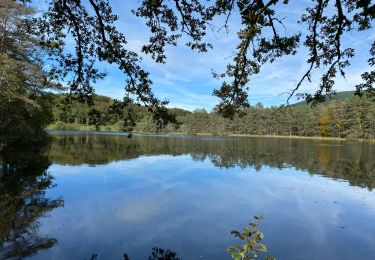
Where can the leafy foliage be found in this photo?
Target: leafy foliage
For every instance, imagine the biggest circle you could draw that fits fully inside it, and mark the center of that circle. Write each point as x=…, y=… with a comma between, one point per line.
x=24, y=108
x=97, y=39
x=251, y=244
x=261, y=40
x=351, y=117
x=26, y=41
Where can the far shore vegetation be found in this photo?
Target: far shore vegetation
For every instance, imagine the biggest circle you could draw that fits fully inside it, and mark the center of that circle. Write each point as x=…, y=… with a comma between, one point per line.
x=35, y=64
x=345, y=117
x=116, y=129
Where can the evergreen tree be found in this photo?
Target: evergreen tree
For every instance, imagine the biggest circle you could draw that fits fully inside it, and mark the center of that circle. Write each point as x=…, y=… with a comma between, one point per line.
x=24, y=108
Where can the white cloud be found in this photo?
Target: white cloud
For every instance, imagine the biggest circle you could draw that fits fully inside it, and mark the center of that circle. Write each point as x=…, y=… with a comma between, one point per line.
x=186, y=78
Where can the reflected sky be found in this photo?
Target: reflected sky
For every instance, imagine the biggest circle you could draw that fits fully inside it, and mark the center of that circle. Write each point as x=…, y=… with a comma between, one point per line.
x=186, y=200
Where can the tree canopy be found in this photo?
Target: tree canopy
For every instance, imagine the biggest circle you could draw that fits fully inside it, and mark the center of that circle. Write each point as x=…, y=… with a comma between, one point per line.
x=23, y=77
x=262, y=38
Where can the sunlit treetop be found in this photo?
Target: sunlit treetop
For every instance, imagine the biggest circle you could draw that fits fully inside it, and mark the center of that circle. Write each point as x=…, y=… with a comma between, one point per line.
x=262, y=38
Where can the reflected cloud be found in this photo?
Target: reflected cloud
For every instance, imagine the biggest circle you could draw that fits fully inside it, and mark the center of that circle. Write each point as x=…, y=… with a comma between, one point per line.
x=187, y=193
x=339, y=160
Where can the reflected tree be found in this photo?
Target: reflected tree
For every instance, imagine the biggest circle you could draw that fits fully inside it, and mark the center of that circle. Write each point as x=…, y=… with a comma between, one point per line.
x=162, y=254
x=249, y=248
x=157, y=253
x=339, y=160
x=23, y=183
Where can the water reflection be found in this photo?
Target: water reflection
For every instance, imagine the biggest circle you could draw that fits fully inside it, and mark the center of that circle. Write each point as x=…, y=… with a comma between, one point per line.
x=188, y=193
x=340, y=160
x=157, y=253
x=23, y=182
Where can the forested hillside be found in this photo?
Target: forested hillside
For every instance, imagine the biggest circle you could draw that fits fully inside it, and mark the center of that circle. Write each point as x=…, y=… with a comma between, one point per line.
x=339, y=96
x=352, y=117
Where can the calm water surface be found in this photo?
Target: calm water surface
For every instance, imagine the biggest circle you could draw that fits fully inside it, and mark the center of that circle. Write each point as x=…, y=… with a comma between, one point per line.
x=108, y=194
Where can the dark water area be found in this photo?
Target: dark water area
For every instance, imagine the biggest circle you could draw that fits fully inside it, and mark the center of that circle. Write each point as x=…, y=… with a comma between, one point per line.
x=108, y=194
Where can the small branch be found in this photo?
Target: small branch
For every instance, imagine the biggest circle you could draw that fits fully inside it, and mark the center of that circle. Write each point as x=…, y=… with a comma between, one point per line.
x=314, y=58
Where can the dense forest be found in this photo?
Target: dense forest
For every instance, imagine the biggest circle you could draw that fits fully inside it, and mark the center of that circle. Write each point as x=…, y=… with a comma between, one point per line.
x=346, y=116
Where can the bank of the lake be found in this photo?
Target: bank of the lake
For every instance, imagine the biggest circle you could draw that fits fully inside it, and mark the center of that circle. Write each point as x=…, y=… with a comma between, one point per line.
x=352, y=117
x=90, y=128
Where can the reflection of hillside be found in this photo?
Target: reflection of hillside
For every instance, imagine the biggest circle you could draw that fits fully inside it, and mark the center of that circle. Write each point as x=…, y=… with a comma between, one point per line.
x=23, y=182
x=349, y=161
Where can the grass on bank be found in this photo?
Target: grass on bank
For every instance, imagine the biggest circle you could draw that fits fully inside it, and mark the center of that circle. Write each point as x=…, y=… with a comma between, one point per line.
x=78, y=127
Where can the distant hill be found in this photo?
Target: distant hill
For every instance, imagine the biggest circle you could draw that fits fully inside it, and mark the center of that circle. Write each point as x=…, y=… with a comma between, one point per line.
x=340, y=96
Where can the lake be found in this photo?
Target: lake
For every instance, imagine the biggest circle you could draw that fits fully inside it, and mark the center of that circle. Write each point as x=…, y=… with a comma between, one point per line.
x=107, y=194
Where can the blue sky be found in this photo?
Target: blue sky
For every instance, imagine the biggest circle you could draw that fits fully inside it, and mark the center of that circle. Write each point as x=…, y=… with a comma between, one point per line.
x=186, y=81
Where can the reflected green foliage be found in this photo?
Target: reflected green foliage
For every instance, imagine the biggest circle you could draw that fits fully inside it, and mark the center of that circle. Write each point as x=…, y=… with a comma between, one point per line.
x=157, y=253
x=346, y=117
x=162, y=254
x=249, y=248
x=336, y=159
x=23, y=182
x=251, y=242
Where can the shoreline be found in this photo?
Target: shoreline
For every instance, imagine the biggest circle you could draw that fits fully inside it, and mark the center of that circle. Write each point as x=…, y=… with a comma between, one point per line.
x=361, y=140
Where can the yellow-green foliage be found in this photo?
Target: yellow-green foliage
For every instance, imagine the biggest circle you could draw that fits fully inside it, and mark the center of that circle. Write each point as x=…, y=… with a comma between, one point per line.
x=251, y=242
x=353, y=117
x=24, y=107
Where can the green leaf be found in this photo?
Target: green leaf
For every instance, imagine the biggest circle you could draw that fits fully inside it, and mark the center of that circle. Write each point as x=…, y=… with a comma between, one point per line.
x=236, y=256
